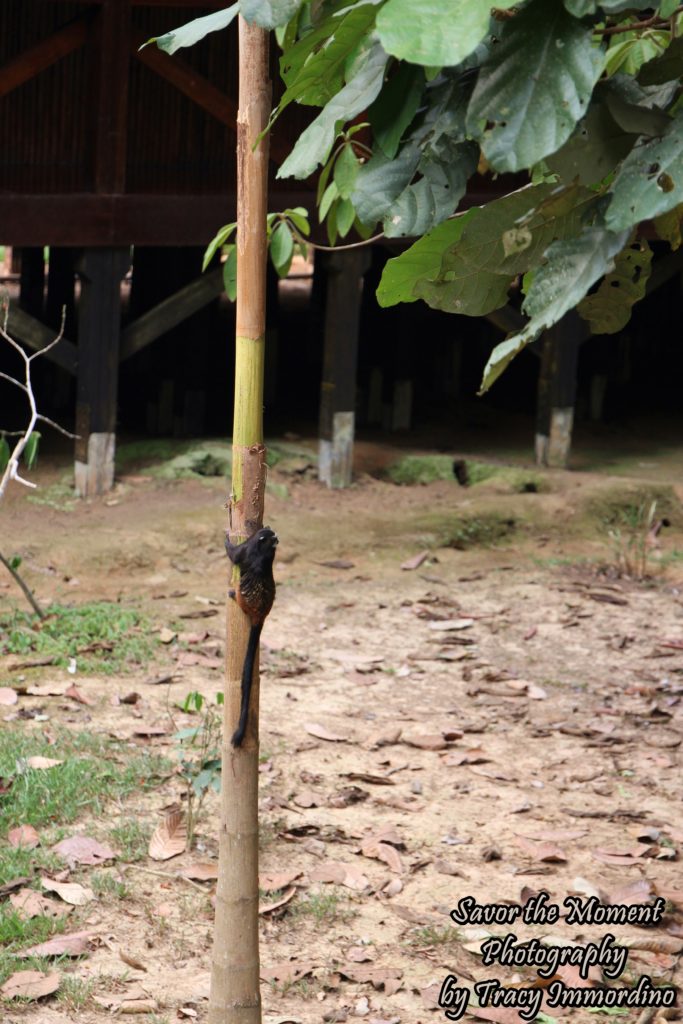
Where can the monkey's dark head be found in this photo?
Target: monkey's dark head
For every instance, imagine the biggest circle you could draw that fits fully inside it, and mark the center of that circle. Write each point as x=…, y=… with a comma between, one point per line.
x=261, y=546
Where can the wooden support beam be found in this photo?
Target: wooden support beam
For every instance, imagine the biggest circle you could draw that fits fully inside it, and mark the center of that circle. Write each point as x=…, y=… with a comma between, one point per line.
x=111, y=56
x=36, y=336
x=84, y=219
x=99, y=317
x=37, y=58
x=32, y=280
x=199, y=89
x=557, y=391
x=338, y=388
x=170, y=312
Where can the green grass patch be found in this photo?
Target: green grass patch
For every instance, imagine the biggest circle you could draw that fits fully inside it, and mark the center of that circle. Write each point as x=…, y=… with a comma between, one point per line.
x=621, y=507
x=17, y=934
x=90, y=776
x=60, y=497
x=323, y=907
x=421, y=469
x=101, y=636
x=462, y=532
x=106, y=885
x=131, y=838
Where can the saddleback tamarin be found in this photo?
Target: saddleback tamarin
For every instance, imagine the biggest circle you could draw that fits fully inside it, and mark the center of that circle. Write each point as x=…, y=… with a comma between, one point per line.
x=255, y=594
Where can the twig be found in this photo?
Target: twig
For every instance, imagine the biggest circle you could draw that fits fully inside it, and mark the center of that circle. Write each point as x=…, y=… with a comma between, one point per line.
x=654, y=22
x=11, y=471
x=28, y=594
x=334, y=248
x=163, y=874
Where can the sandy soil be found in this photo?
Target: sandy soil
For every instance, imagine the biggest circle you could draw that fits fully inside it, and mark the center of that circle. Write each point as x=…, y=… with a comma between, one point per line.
x=507, y=719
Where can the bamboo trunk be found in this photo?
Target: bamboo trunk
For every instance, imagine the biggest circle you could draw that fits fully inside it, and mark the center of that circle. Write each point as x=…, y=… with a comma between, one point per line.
x=235, y=996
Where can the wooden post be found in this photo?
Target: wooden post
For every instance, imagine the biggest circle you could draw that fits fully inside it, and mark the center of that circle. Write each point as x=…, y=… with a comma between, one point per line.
x=235, y=987
x=338, y=389
x=557, y=392
x=32, y=281
x=99, y=316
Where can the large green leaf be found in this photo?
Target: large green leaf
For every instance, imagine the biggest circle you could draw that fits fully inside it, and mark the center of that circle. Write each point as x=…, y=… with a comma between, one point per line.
x=421, y=261
x=572, y=267
x=632, y=109
x=438, y=33
x=380, y=182
x=269, y=13
x=629, y=52
x=594, y=150
x=608, y=310
x=314, y=144
x=383, y=188
x=668, y=226
x=395, y=107
x=650, y=180
x=507, y=237
x=436, y=194
x=534, y=87
x=193, y=31
x=313, y=68
x=664, y=68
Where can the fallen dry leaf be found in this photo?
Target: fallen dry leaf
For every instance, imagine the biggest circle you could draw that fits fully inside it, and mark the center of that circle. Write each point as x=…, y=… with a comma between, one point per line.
x=474, y=755
x=83, y=850
x=630, y=893
x=360, y=955
x=415, y=562
x=201, y=871
x=387, y=978
x=28, y=903
x=557, y=835
x=621, y=857
x=8, y=696
x=23, y=835
x=75, y=944
x=450, y=625
x=321, y=733
x=42, y=763
x=131, y=960
x=169, y=838
x=348, y=875
x=30, y=985
x=75, y=694
x=287, y=972
x=548, y=852
x=71, y=892
x=47, y=690
x=434, y=741
x=384, y=852
x=274, y=880
x=268, y=908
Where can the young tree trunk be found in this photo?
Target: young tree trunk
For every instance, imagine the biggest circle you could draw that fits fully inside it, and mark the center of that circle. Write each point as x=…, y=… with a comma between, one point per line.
x=235, y=996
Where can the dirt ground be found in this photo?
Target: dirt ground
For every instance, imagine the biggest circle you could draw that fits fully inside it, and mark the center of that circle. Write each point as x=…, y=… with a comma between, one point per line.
x=493, y=722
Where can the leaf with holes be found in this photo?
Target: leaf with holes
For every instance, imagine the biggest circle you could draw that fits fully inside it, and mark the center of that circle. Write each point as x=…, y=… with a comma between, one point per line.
x=571, y=269
x=534, y=87
x=649, y=182
x=608, y=310
x=422, y=261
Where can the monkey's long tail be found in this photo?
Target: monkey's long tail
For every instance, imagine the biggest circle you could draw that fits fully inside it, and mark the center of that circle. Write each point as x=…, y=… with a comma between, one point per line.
x=247, y=674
